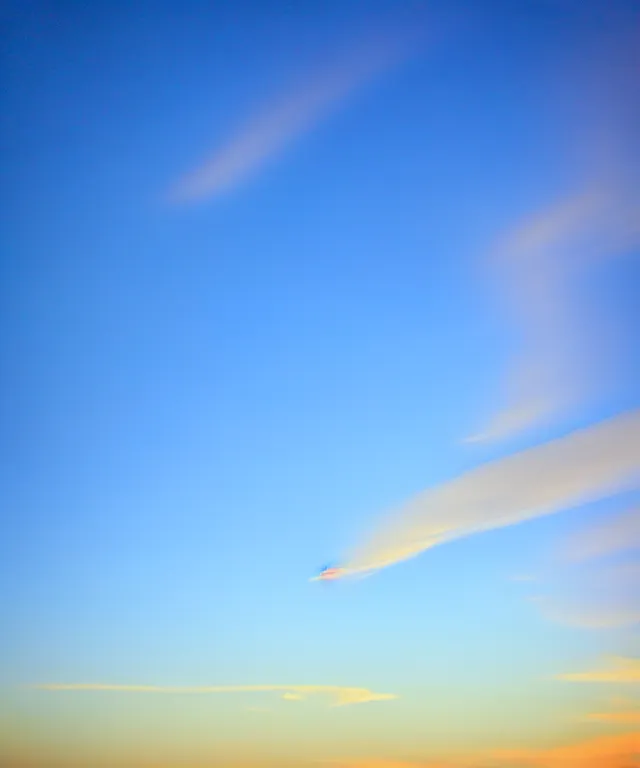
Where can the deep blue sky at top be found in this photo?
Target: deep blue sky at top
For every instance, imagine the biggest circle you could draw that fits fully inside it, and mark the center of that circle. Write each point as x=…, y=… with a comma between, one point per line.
x=203, y=403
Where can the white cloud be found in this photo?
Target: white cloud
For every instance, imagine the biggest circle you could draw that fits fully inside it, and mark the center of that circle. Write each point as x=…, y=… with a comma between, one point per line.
x=584, y=466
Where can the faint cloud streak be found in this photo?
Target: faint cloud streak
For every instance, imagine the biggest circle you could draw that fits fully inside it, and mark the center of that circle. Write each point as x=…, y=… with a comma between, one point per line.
x=616, y=718
x=620, y=670
x=564, y=350
x=592, y=586
x=537, y=267
x=595, y=597
x=270, y=133
x=341, y=696
x=383, y=763
x=619, y=533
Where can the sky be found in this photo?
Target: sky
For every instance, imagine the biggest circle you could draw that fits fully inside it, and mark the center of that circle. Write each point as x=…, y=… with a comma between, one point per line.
x=272, y=275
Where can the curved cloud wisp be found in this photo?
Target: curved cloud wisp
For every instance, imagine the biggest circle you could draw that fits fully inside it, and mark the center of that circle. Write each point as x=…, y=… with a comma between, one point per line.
x=584, y=466
x=564, y=357
x=281, y=123
x=341, y=696
x=538, y=265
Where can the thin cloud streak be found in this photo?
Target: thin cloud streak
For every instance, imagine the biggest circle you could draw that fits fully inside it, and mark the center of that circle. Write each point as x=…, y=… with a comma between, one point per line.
x=281, y=123
x=341, y=696
x=620, y=670
x=388, y=763
x=595, y=596
x=616, y=534
x=615, y=718
x=589, y=584
x=584, y=466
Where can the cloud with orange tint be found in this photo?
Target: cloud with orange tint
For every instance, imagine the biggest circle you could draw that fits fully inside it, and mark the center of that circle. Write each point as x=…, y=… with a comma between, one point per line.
x=619, y=670
x=340, y=696
x=623, y=711
x=388, y=763
x=582, y=467
x=270, y=133
x=617, y=751
x=616, y=718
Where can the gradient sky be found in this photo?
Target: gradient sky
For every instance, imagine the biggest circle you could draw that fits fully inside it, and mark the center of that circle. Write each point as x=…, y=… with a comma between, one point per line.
x=205, y=400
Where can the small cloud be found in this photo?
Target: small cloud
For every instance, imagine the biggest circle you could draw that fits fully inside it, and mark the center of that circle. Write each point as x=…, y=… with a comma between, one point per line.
x=340, y=696
x=620, y=670
x=292, y=696
x=346, y=696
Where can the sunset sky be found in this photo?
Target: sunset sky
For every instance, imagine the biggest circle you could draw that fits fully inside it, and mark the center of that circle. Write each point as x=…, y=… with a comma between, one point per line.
x=271, y=270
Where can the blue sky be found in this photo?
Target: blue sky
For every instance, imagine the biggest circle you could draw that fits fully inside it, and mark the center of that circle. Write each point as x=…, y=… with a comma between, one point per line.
x=204, y=402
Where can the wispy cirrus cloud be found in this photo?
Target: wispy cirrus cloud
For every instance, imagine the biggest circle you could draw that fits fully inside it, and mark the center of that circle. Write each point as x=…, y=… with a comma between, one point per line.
x=340, y=696
x=539, y=264
x=594, y=596
x=269, y=133
x=594, y=579
x=619, y=670
x=612, y=535
x=584, y=466
x=537, y=268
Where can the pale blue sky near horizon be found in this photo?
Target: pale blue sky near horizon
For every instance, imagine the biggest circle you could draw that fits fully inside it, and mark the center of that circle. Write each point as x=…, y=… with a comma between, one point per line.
x=203, y=403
